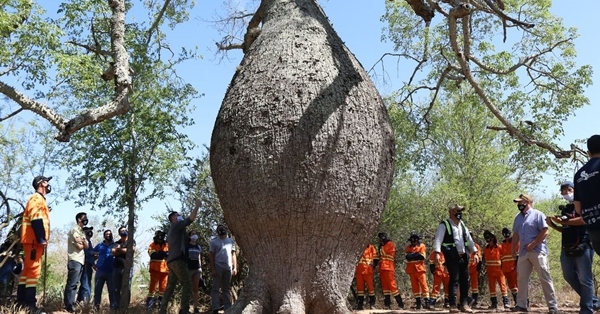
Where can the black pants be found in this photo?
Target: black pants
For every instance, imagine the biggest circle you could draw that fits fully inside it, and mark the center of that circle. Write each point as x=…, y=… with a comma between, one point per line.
x=458, y=268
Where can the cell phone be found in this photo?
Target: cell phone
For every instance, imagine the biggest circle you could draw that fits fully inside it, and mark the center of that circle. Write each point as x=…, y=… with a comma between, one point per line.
x=32, y=254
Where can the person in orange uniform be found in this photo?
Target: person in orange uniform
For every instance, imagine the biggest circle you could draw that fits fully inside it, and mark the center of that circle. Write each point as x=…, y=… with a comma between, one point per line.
x=387, y=273
x=364, y=275
x=474, y=269
x=509, y=263
x=440, y=276
x=415, y=268
x=493, y=262
x=35, y=234
x=158, y=251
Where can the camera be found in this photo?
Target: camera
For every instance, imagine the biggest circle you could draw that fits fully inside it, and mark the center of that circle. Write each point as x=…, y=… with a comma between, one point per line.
x=566, y=211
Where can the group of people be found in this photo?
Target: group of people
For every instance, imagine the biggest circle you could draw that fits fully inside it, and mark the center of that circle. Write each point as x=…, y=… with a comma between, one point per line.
x=455, y=259
x=176, y=259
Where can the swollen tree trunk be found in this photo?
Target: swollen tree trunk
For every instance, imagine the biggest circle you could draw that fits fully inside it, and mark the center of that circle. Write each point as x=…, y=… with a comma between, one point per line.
x=302, y=159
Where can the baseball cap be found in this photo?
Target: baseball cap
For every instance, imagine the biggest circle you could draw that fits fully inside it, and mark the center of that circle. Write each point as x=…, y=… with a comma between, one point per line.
x=523, y=197
x=566, y=184
x=39, y=179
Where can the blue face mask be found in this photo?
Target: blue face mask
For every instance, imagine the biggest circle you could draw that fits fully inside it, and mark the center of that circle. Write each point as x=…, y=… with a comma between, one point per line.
x=123, y=233
x=179, y=218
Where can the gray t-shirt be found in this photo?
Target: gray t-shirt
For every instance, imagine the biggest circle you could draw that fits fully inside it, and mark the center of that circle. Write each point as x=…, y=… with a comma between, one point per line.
x=178, y=239
x=222, y=249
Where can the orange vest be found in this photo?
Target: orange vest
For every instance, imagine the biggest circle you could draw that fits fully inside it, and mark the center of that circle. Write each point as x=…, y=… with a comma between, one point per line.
x=441, y=269
x=387, y=252
x=493, y=261
x=509, y=263
x=413, y=267
x=366, y=260
x=158, y=265
x=36, y=208
x=472, y=265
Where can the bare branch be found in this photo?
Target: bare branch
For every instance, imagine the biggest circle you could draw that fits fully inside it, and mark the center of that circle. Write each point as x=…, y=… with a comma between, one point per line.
x=506, y=17
x=10, y=116
x=156, y=22
x=89, y=48
x=521, y=63
x=253, y=29
x=220, y=46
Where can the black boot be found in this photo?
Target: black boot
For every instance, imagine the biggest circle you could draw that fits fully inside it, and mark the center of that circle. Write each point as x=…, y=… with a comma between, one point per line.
x=159, y=301
x=21, y=295
x=494, y=305
x=427, y=303
x=419, y=304
x=432, y=302
x=399, y=301
x=372, y=301
x=514, y=294
x=387, y=302
x=505, y=302
x=360, y=302
x=474, y=299
x=149, y=302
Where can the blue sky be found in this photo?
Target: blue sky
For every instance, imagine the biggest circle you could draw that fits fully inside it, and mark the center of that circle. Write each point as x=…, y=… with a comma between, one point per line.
x=360, y=27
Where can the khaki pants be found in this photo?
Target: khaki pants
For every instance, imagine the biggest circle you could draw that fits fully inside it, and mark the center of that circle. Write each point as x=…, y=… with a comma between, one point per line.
x=539, y=262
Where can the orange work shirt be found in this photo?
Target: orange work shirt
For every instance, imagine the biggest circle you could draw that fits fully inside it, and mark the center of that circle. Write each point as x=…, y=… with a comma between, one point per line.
x=492, y=255
x=387, y=253
x=413, y=267
x=36, y=208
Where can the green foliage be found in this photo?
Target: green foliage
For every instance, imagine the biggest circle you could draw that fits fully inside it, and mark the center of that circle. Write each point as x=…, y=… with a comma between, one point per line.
x=546, y=89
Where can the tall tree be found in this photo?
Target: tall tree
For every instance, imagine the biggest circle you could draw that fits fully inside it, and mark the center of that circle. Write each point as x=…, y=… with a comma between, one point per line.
x=516, y=55
x=119, y=164
x=302, y=158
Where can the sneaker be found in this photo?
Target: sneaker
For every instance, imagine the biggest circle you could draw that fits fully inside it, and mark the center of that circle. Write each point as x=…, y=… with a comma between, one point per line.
x=553, y=311
x=518, y=309
x=454, y=310
x=466, y=309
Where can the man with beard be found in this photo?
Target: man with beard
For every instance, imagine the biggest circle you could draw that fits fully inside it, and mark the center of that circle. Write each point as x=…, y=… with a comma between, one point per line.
x=76, y=245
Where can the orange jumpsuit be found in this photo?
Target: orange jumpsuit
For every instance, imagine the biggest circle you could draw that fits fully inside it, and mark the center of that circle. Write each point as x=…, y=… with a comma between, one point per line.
x=440, y=275
x=387, y=274
x=158, y=269
x=35, y=210
x=364, y=271
x=473, y=273
x=509, y=265
x=417, y=271
x=492, y=255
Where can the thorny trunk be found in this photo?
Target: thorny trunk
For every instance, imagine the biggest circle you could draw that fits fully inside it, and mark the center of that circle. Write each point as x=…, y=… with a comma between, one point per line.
x=302, y=160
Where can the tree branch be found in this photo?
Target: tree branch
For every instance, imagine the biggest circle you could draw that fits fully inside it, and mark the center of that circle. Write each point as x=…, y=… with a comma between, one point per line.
x=89, y=48
x=156, y=22
x=10, y=116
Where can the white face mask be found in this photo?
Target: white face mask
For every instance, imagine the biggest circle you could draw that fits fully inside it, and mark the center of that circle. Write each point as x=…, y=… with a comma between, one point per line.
x=568, y=197
x=179, y=218
x=194, y=237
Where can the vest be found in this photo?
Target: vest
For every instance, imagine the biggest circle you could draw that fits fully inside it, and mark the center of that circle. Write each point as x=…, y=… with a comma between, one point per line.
x=448, y=241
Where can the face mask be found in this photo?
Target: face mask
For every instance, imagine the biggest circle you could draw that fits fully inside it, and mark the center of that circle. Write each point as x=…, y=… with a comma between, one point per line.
x=179, y=218
x=521, y=207
x=488, y=240
x=506, y=235
x=90, y=234
x=123, y=233
x=194, y=237
x=48, y=189
x=221, y=231
x=568, y=197
x=458, y=215
x=84, y=221
x=108, y=238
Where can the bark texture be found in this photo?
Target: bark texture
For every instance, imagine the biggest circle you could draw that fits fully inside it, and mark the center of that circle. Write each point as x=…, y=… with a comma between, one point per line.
x=302, y=159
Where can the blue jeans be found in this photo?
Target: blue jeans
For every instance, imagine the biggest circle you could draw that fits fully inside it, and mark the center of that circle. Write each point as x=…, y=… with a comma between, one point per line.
x=100, y=279
x=73, y=277
x=577, y=272
x=85, y=288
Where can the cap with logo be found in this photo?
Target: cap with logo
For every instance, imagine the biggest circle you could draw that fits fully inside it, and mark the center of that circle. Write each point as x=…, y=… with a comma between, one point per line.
x=39, y=179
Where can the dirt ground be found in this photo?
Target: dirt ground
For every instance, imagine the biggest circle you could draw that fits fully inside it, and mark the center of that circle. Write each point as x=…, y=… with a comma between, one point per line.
x=440, y=311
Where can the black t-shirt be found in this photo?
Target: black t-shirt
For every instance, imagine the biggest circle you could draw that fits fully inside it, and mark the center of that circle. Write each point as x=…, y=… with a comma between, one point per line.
x=572, y=235
x=120, y=257
x=587, y=187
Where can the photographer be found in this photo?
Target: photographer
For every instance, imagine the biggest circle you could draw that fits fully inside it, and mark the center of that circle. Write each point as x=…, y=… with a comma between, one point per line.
x=576, y=254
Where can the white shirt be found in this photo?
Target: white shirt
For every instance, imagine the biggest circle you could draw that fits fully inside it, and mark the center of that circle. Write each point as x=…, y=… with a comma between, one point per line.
x=457, y=233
